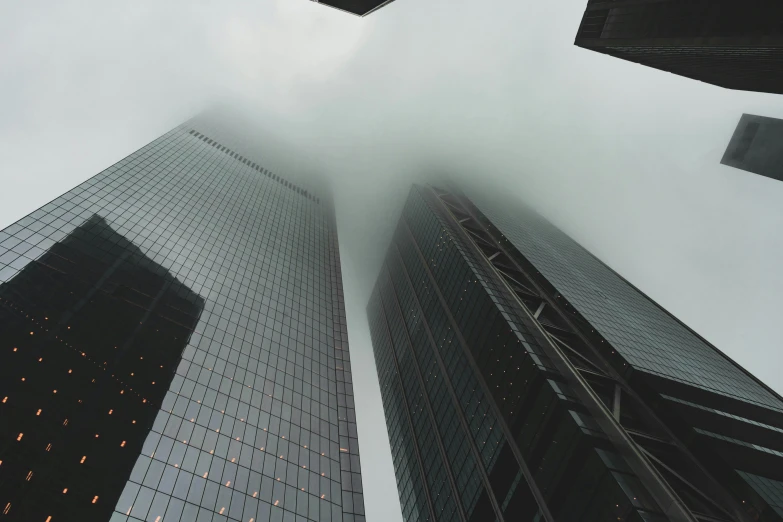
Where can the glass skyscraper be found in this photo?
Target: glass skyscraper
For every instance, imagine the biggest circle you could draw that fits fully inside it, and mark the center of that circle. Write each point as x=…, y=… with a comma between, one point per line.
x=356, y=7
x=174, y=345
x=523, y=379
x=757, y=146
x=737, y=44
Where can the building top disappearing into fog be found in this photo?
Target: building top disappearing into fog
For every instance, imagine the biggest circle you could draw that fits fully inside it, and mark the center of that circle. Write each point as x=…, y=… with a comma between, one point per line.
x=173, y=345
x=523, y=379
x=757, y=146
x=736, y=44
x=357, y=7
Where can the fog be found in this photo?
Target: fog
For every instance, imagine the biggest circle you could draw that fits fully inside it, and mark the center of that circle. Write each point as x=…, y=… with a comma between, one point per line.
x=622, y=157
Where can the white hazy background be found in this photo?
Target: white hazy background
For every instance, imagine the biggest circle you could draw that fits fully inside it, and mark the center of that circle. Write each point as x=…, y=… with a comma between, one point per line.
x=624, y=158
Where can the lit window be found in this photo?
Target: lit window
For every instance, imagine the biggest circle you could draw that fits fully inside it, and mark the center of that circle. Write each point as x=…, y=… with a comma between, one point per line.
x=110, y=411
x=95, y=499
x=65, y=491
x=7, y=508
x=49, y=518
x=20, y=436
x=55, y=391
x=83, y=459
x=38, y=412
x=5, y=399
x=122, y=445
x=40, y=359
x=29, y=476
x=49, y=447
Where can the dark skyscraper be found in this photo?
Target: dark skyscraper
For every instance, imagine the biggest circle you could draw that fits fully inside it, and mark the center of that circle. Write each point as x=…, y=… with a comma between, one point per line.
x=357, y=7
x=757, y=146
x=730, y=43
x=524, y=380
x=173, y=345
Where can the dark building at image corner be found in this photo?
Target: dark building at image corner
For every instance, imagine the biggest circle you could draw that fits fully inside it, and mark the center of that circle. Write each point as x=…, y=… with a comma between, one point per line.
x=757, y=146
x=522, y=379
x=173, y=345
x=356, y=7
x=729, y=43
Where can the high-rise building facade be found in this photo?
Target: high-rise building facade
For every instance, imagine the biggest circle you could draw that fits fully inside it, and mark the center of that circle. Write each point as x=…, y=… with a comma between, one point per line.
x=757, y=146
x=522, y=379
x=357, y=7
x=174, y=345
x=730, y=43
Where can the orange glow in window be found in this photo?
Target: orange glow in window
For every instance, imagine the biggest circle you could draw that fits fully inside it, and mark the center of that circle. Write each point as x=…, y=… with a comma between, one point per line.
x=14, y=348
x=7, y=508
x=5, y=399
x=20, y=436
x=49, y=447
x=83, y=459
x=40, y=359
x=277, y=502
x=38, y=412
x=222, y=510
x=110, y=412
x=65, y=491
x=49, y=518
x=29, y=476
x=55, y=391
x=122, y=445
x=95, y=499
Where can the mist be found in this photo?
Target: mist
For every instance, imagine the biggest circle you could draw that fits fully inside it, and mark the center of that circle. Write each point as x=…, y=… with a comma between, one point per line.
x=624, y=158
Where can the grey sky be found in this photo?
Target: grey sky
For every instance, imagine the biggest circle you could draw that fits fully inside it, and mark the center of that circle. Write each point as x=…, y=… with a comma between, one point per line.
x=624, y=158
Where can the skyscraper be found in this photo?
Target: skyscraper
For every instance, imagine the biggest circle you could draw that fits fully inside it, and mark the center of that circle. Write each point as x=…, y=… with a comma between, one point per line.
x=730, y=43
x=357, y=7
x=757, y=146
x=173, y=345
x=522, y=379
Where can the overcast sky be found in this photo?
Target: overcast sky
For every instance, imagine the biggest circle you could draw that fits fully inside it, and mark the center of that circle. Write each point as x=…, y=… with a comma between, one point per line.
x=624, y=158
